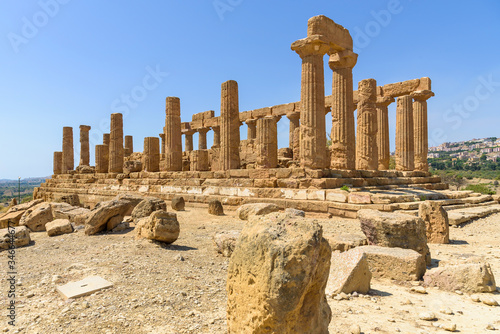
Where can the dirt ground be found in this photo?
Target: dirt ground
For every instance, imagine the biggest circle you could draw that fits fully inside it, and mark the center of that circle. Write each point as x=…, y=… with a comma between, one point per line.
x=180, y=288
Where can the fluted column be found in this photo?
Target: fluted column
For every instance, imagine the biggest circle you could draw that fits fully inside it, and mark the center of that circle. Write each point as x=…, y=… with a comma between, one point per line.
x=105, y=139
x=101, y=158
x=343, y=132
x=251, y=128
x=84, y=145
x=68, y=161
x=420, y=127
x=129, y=146
x=405, y=151
x=173, y=137
x=58, y=162
x=202, y=138
x=229, y=126
x=312, y=103
x=366, y=141
x=384, y=151
x=267, y=142
x=116, y=144
x=294, y=118
x=188, y=140
x=151, y=154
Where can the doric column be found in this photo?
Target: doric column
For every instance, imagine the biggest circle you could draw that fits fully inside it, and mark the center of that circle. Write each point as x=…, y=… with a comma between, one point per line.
x=202, y=138
x=129, y=146
x=251, y=128
x=229, y=126
x=101, y=158
x=343, y=132
x=188, y=140
x=312, y=103
x=151, y=154
x=58, y=162
x=420, y=127
x=162, y=144
x=116, y=144
x=68, y=161
x=405, y=151
x=105, y=139
x=366, y=141
x=84, y=145
x=198, y=160
x=216, y=130
x=267, y=142
x=294, y=118
x=384, y=152
x=173, y=137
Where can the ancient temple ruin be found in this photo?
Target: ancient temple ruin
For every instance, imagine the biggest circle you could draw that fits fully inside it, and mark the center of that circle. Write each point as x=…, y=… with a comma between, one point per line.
x=307, y=175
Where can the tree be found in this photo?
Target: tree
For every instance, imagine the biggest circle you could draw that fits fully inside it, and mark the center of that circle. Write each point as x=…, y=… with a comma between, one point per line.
x=483, y=157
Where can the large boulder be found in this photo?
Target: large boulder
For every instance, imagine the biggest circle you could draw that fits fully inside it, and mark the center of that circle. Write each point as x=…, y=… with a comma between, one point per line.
x=394, y=263
x=245, y=211
x=18, y=236
x=389, y=229
x=132, y=200
x=58, y=227
x=349, y=272
x=215, y=208
x=74, y=214
x=71, y=199
x=36, y=217
x=103, y=212
x=436, y=222
x=277, y=277
x=345, y=241
x=178, y=203
x=14, y=214
x=160, y=225
x=225, y=242
x=467, y=276
x=147, y=206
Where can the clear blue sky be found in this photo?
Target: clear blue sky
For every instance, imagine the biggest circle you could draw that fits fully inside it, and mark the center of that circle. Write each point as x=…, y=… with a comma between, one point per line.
x=66, y=63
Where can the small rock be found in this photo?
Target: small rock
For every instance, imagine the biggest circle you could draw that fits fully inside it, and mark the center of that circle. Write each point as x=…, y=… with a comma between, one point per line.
x=449, y=327
x=178, y=203
x=406, y=302
x=489, y=301
x=419, y=289
x=427, y=316
x=180, y=257
x=215, y=208
x=458, y=292
x=490, y=327
x=475, y=298
x=355, y=329
x=446, y=310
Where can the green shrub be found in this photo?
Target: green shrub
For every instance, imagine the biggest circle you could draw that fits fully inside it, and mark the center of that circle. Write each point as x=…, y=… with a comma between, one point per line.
x=480, y=188
x=344, y=187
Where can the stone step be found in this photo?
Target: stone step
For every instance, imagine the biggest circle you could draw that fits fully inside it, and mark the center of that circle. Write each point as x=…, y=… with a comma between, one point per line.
x=460, y=216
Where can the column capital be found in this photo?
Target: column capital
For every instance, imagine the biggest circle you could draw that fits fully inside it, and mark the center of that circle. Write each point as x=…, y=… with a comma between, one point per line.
x=85, y=127
x=422, y=95
x=162, y=135
x=343, y=59
x=293, y=115
x=203, y=130
x=310, y=46
x=215, y=127
x=384, y=101
x=188, y=132
x=251, y=121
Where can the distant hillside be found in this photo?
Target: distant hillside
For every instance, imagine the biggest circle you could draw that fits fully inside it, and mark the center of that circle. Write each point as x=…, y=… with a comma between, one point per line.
x=13, y=188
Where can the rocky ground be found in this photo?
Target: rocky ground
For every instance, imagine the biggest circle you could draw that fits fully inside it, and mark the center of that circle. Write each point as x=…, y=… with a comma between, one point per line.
x=180, y=288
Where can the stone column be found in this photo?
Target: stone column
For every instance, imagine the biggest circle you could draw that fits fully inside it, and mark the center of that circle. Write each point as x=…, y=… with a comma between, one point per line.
x=405, y=151
x=173, y=136
x=202, y=138
x=383, y=147
x=366, y=141
x=252, y=128
x=294, y=118
x=116, y=144
x=343, y=133
x=105, y=139
x=68, y=161
x=216, y=130
x=199, y=160
x=151, y=154
x=84, y=145
x=229, y=126
x=421, y=140
x=129, y=146
x=101, y=158
x=188, y=140
x=267, y=142
x=312, y=103
x=162, y=145
x=58, y=163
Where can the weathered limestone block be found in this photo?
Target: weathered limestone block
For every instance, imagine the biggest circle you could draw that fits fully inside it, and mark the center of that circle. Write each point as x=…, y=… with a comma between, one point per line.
x=173, y=136
x=267, y=142
x=366, y=134
x=71, y=199
x=14, y=214
x=151, y=154
x=178, y=203
x=13, y=202
x=475, y=276
x=97, y=220
x=160, y=225
x=389, y=229
x=295, y=212
x=58, y=227
x=129, y=146
x=147, y=206
x=84, y=145
x=85, y=169
x=116, y=154
x=132, y=166
x=349, y=272
x=436, y=222
x=199, y=160
x=101, y=158
x=58, y=163
x=405, y=150
x=20, y=237
x=359, y=197
x=68, y=161
x=344, y=241
x=215, y=208
x=36, y=217
x=74, y=214
x=229, y=126
x=245, y=211
x=106, y=137
x=394, y=263
x=225, y=242
x=277, y=277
